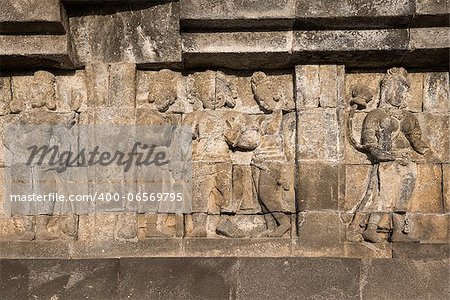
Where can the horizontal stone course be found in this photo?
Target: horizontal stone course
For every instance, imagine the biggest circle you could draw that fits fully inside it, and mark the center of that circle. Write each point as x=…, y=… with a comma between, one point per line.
x=225, y=278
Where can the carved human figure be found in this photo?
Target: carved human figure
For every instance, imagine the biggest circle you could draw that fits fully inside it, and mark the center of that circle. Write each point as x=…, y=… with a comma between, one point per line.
x=210, y=151
x=36, y=218
x=269, y=163
x=389, y=135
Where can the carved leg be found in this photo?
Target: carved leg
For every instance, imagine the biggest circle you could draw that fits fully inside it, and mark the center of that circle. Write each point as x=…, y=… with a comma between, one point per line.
x=42, y=232
x=400, y=229
x=354, y=232
x=152, y=229
x=28, y=234
x=199, y=221
x=370, y=234
x=284, y=225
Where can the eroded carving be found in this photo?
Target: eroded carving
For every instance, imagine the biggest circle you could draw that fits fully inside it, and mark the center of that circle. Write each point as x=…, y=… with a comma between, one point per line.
x=390, y=134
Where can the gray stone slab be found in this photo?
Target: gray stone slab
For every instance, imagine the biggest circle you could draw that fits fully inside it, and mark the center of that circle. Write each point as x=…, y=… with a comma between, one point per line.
x=59, y=279
x=361, y=48
x=178, y=278
x=237, y=14
x=431, y=13
x=228, y=247
x=298, y=278
x=421, y=251
x=32, y=17
x=146, y=34
x=238, y=50
x=33, y=249
x=34, y=51
x=405, y=279
x=354, y=13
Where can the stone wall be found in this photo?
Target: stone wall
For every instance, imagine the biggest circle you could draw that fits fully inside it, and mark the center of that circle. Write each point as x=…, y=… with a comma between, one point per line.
x=321, y=129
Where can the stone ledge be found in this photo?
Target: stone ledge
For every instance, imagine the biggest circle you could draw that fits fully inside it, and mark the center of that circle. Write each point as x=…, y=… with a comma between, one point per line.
x=28, y=51
x=225, y=278
x=32, y=17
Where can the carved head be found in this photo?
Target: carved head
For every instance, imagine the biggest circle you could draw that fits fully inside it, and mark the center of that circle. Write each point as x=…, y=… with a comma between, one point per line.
x=43, y=90
x=163, y=91
x=361, y=95
x=394, y=88
x=268, y=96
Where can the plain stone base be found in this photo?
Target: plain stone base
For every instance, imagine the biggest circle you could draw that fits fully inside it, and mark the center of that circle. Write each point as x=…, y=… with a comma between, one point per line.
x=224, y=278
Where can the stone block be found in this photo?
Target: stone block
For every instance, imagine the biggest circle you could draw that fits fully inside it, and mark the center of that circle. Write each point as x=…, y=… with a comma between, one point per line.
x=290, y=278
x=229, y=14
x=69, y=279
x=446, y=187
x=320, y=134
x=430, y=47
x=237, y=50
x=436, y=133
x=430, y=228
x=404, y=279
x=436, y=96
x=420, y=251
x=319, y=86
x=318, y=186
x=353, y=48
x=236, y=247
x=149, y=34
x=354, y=14
x=35, y=52
x=367, y=250
x=356, y=182
x=32, y=17
x=319, y=234
x=5, y=94
x=427, y=197
x=71, y=92
x=430, y=13
x=34, y=250
x=196, y=278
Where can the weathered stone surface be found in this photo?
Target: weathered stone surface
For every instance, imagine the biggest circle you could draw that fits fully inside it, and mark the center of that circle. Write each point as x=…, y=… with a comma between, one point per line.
x=427, y=197
x=431, y=13
x=436, y=132
x=368, y=250
x=319, y=86
x=362, y=48
x=446, y=187
x=222, y=247
x=237, y=14
x=354, y=14
x=356, y=179
x=430, y=47
x=320, y=134
x=318, y=186
x=436, y=96
x=404, y=279
x=430, y=228
x=149, y=34
x=196, y=278
x=420, y=251
x=5, y=94
x=237, y=50
x=34, y=250
x=71, y=92
x=69, y=279
x=320, y=233
x=34, y=51
x=32, y=17
x=341, y=277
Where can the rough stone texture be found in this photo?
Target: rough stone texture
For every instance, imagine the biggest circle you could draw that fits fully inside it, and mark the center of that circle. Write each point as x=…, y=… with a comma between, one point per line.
x=237, y=50
x=430, y=45
x=446, y=187
x=354, y=13
x=421, y=251
x=32, y=17
x=431, y=13
x=427, y=197
x=319, y=134
x=362, y=48
x=46, y=279
x=430, y=228
x=237, y=14
x=405, y=279
x=318, y=186
x=149, y=34
x=34, y=51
